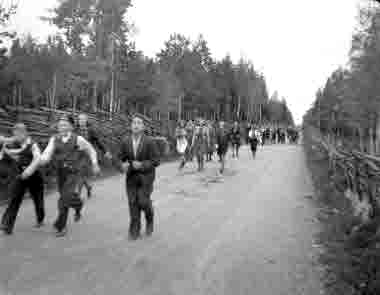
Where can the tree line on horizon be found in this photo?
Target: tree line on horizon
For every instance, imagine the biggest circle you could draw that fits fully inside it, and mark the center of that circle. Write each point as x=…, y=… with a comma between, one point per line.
x=346, y=108
x=93, y=64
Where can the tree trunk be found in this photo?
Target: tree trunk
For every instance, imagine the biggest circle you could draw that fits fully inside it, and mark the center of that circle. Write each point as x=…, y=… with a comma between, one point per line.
x=377, y=143
x=94, y=104
x=74, y=103
x=361, y=139
x=19, y=95
x=371, y=142
x=54, y=92
x=14, y=96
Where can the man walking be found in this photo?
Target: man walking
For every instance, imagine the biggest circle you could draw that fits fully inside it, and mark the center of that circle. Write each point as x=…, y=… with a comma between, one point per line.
x=26, y=154
x=66, y=147
x=222, y=140
x=139, y=157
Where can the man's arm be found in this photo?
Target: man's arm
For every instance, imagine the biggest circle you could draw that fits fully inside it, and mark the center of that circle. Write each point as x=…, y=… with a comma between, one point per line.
x=153, y=156
x=48, y=152
x=33, y=166
x=95, y=141
x=123, y=162
x=88, y=149
x=5, y=140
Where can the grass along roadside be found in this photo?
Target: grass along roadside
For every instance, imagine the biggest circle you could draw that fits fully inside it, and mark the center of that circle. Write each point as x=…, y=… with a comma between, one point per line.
x=336, y=217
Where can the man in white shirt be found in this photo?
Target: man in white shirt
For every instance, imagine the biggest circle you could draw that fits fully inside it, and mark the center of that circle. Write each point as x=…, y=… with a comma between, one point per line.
x=67, y=147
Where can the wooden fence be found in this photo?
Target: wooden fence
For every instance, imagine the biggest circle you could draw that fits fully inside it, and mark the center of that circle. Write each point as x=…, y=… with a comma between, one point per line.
x=355, y=172
x=41, y=125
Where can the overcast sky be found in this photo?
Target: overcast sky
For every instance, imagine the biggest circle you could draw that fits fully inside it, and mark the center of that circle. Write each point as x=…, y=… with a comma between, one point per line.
x=295, y=43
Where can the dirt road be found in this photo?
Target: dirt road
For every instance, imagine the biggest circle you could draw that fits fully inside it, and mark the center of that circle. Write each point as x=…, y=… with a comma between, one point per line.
x=248, y=232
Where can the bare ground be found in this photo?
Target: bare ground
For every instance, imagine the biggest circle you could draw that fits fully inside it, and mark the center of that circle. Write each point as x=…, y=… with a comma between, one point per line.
x=249, y=232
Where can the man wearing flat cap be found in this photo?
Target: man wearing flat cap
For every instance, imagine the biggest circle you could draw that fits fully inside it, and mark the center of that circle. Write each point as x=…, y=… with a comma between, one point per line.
x=66, y=147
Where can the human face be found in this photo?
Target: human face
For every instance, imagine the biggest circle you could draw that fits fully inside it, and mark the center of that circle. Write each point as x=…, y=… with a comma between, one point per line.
x=64, y=127
x=137, y=126
x=19, y=135
x=82, y=118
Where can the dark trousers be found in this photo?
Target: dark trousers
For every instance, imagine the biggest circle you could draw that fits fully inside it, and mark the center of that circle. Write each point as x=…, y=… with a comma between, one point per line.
x=68, y=187
x=200, y=161
x=139, y=200
x=235, y=149
x=17, y=190
x=253, y=145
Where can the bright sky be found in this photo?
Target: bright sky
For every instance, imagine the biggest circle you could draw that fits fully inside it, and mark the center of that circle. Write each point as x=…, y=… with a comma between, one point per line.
x=295, y=43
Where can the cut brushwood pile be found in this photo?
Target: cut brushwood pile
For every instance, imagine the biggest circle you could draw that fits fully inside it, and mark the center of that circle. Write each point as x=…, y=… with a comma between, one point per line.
x=41, y=123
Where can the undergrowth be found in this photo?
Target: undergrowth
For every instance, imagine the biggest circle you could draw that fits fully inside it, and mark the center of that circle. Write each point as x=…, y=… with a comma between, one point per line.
x=351, y=250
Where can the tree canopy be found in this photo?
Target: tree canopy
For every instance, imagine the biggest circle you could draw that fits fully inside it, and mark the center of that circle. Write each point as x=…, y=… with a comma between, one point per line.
x=348, y=105
x=93, y=64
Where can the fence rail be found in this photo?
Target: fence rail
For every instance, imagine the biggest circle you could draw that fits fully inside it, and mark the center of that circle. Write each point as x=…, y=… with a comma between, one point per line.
x=41, y=122
x=41, y=125
x=354, y=171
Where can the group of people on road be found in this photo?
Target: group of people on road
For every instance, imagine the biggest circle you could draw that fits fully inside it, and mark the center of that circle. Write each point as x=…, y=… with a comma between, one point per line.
x=202, y=139
x=73, y=153
x=271, y=134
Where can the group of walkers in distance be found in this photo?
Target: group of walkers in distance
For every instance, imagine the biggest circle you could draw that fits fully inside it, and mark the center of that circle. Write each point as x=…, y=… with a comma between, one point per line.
x=201, y=139
x=73, y=151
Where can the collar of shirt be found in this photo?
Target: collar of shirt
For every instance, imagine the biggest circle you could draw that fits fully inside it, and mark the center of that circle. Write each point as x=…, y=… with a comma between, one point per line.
x=135, y=142
x=66, y=137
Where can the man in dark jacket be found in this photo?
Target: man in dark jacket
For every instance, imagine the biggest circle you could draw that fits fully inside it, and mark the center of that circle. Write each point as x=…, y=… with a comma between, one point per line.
x=222, y=140
x=25, y=153
x=139, y=157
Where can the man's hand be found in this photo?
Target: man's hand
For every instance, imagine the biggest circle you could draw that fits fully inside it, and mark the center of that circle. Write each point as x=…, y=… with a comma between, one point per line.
x=137, y=165
x=26, y=174
x=125, y=166
x=108, y=156
x=96, y=169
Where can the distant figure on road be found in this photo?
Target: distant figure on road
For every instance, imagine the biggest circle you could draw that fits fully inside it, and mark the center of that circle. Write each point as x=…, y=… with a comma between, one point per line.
x=182, y=143
x=253, y=140
x=222, y=140
x=199, y=144
x=87, y=132
x=235, y=139
x=26, y=154
x=139, y=157
x=189, y=136
x=211, y=141
x=67, y=147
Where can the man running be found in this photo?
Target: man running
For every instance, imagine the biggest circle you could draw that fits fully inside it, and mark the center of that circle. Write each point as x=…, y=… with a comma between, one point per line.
x=67, y=147
x=25, y=153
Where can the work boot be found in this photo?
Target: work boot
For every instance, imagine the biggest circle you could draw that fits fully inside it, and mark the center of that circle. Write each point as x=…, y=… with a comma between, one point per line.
x=89, y=192
x=77, y=216
x=60, y=233
x=39, y=224
x=149, y=230
x=6, y=230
